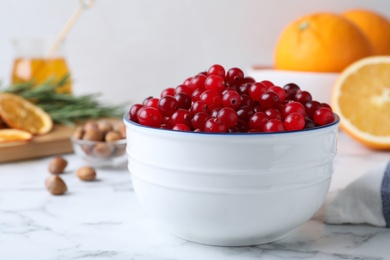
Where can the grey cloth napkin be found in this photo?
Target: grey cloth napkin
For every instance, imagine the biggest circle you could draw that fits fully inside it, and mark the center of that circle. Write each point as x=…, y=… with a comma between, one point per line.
x=364, y=201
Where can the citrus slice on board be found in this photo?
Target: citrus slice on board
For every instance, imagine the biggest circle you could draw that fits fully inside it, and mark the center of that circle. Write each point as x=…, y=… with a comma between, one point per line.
x=18, y=113
x=14, y=135
x=361, y=97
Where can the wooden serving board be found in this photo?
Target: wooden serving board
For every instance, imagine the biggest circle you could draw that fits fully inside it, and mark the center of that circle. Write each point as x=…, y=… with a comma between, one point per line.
x=53, y=143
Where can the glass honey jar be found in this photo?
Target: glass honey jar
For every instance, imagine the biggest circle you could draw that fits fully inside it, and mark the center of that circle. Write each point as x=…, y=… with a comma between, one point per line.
x=32, y=63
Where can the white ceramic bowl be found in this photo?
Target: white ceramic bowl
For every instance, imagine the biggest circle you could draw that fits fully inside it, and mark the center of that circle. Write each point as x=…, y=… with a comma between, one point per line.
x=231, y=189
x=319, y=84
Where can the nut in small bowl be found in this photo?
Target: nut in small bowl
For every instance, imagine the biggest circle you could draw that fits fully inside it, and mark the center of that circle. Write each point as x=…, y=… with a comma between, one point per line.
x=100, y=147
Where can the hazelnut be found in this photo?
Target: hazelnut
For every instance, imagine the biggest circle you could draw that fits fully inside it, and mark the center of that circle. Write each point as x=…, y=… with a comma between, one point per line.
x=57, y=165
x=91, y=125
x=86, y=173
x=93, y=135
x=55, y=185
x=113, y=136
x=104, y=126
x=79, y=132
x=102, y=150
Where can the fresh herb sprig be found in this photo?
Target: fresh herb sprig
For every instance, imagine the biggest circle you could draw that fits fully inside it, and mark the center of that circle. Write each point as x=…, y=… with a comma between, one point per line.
x=65, y=108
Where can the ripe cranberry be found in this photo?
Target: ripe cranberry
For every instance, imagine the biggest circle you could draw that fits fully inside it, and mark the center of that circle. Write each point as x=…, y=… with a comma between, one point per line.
x=234, y=76
x=214, y=125
x=187, y=82
x=183, y=100
x=198, y=106
x=181, y=127
x=302, y=97
x=215, y=112
x=242, y=126
x=167, y=92
x=149, y=116
x=166, y=122
x=231, y=98
x=196, y=94
x=291, y=107
x=181, y=116
x=233, y=129
x=152, y=102
x=133, y=112
x=279, y=91
x=199, y=119
x=257, y=108
x=245, y=100
x=227, y=116
x=244, y=113
x=212, y=99
x=273, y=113
x=323, y=116
x=248, y=80
x=311, y=107
x=197, y=82
x=184, y=89
x=291, y=89
x=165, y=126
x=258, y=120
x=294, y=122
x=214, y=83
x=216, y=69
x=273, y=125
x=326, y=105
x=309, y=123
x=269, y=100
x=267, y=83
x=244, y=88
x=146, y=100
x=167, y=105
x=256, y=90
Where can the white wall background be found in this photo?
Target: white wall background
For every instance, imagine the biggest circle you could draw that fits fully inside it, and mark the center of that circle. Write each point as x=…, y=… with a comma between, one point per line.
x=130, y=49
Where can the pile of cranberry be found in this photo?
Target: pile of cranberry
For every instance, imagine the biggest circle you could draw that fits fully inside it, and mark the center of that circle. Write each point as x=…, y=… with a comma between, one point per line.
x=228, y=102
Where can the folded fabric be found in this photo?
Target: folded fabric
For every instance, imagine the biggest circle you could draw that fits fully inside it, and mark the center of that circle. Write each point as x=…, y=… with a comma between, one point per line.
x=364, y=201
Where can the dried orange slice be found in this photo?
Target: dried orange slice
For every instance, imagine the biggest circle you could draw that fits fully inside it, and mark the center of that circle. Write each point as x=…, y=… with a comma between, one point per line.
x=361, y=97
x=18, y=113
x=14, y=135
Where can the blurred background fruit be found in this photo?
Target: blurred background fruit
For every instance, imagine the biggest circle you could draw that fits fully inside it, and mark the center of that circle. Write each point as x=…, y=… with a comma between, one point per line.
x=374, y=26
x=320, y=42
x=361, y=97
x=14, y=135
x=19, y=113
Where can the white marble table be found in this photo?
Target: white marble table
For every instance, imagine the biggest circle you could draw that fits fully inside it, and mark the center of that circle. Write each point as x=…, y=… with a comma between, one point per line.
x=103, y=220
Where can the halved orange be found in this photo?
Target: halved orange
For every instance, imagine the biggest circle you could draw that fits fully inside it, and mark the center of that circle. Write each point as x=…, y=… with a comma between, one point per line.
x=361, y=97
x=14, y=135
x=18, y=113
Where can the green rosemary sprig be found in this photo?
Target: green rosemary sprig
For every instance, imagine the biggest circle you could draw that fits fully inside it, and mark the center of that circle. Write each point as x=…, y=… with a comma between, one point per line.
x=65, y=108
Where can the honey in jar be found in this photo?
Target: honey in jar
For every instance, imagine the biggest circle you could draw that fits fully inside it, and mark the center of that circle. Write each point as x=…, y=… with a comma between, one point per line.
x=32, y=64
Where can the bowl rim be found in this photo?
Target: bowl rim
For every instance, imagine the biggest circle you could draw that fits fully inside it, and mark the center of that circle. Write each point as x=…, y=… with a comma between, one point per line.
x=86, y=142
x=126, y=119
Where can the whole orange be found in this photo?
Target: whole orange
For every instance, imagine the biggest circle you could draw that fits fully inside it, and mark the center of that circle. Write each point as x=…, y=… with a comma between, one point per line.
x=374, y=26
x=320, y=42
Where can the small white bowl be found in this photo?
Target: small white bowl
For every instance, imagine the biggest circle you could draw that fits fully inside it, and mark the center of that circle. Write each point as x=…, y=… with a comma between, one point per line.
x=319, y=84
x=231, y=189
